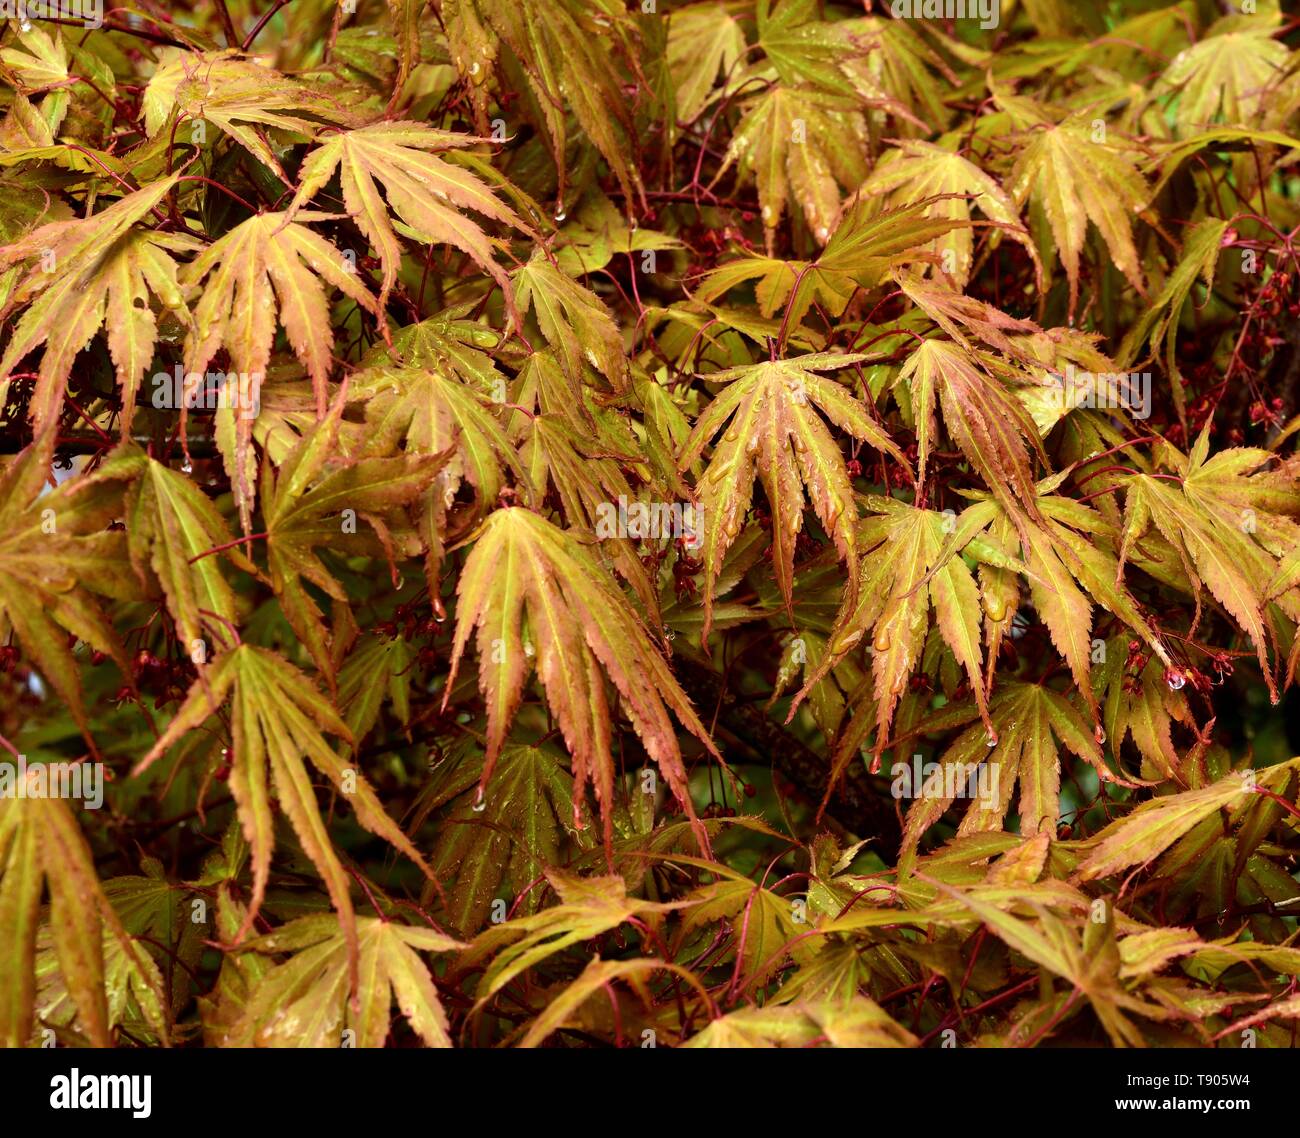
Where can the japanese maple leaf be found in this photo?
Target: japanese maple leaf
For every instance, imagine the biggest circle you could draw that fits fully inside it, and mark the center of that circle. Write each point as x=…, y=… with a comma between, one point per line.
x=800, y=146
x=426, y=411
x=908, y=568
x=535, y=593
x=952, y=185
x=588, y=907
x=574, y=321
x=304, y=1001
x=1229, y=522
x=302, y=504
x=90, y=273
x=866, y=245
x=425, y=192
x=171, y=528
x=278, y=722
x=1073, y=180
x=776, y=435
x=241, y=97
x=703, y=41
x=1225, y=77
x=1032, y=723
x=43, y=848
x=56, y=553
x=267, y=269
x=980, y=412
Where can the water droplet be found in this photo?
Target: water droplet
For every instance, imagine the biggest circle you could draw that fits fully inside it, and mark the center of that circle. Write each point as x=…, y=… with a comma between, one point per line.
x=1099, y=733
x=474, y=68
x=1175, y=679
x=187, y=467
x=882, y=641
x=990, y=738
x=560, y=213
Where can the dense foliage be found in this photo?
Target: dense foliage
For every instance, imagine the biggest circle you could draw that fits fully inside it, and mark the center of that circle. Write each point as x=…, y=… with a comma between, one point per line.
x=608, y=524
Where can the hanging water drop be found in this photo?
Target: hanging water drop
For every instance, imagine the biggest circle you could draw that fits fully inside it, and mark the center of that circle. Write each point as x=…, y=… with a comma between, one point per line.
x=1175, y=679
x=881, y=642
x=990, y=738
x=1099, y=733
x=187, y=467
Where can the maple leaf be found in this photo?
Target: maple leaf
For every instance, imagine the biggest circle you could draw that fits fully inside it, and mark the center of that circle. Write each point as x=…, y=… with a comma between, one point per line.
x=790, y=141
x=93, y=271
x=894, y=64
x=920, y=171
x=982, y=416
x=270, y=265
x=1031, y=723
x=574, y=321
x=431, y=413
x=1152, y=827
x=1228, y=527
x=1090, y=963
x=304, y=1001
x=303, y=507
x=855, y=1022
x=43, y=66
x=1144, y=707
x=40, y=842
x=54, y=555
x=765, y=923
x=155, y=912
x=904, y=576
x=588, y=907
x=533, y=590
x=496, y=849
x=703, y=40
x=1074, y=179
x=568, y=52
x=590, y=484
x=1226, y=76
x=277, y=721
x=421, y=189
x=865, y=246
x=596, y=980
x=172, y=526
x=1067, y=570
x=267, y=268
x=239, y=96
x=775, y=436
